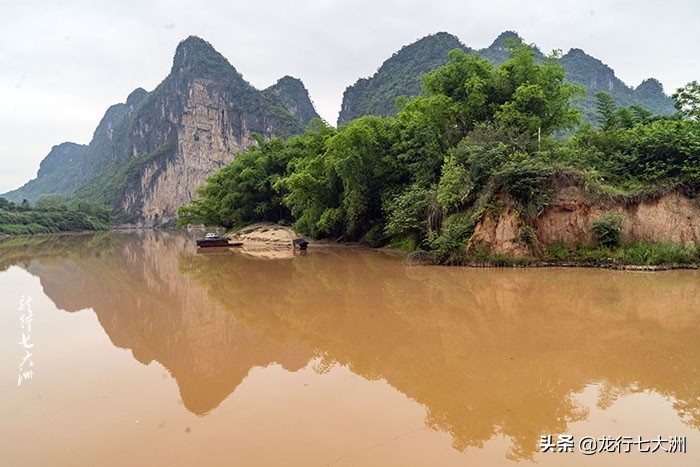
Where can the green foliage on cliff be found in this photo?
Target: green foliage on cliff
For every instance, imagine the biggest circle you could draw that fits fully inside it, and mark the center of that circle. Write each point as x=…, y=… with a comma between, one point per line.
x=608, y=229
x=401, y=74
x=109, y=186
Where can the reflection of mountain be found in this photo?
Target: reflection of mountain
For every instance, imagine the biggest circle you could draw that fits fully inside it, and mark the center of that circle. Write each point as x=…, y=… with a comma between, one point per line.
x=485, y=351
x=146, y=305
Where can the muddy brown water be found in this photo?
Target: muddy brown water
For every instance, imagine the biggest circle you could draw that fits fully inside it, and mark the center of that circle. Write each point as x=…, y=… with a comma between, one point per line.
x=147, y=353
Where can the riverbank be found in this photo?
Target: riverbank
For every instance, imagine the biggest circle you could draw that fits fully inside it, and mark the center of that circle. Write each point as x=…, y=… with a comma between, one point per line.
x=640, y=256
x=266, y=239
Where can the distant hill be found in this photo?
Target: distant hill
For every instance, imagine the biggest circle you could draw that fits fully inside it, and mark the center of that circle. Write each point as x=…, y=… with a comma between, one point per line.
x=401, y=75
x=59, y=172
x=597, y=77
x=149, y=154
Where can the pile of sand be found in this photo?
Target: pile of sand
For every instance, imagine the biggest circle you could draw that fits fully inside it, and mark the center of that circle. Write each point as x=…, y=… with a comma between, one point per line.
x=264, y=233
x=265, y=240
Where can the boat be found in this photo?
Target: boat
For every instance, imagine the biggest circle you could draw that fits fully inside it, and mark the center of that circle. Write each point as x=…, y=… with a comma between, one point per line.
x=300, y=243
x=213, y=240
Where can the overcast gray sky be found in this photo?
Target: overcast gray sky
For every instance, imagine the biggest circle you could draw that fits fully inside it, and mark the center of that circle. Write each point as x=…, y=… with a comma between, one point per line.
x=62, y=63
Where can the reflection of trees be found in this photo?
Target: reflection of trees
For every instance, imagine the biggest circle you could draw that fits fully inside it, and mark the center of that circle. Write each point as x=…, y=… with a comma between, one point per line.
x=20, y=250
x=485, y=351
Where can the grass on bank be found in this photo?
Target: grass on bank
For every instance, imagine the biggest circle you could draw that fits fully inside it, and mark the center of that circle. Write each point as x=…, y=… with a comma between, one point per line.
x=636, y=253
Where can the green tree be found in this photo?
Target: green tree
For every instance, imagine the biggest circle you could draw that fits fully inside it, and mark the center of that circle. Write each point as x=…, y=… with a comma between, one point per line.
x=414, y=212
x=537, y=98
x=688, y=100
x=51, y=201
x=6, y=205
x=607, y=111
x=532, y=97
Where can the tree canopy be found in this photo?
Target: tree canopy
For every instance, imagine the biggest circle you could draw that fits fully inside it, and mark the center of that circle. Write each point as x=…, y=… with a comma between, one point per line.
x=688, y=100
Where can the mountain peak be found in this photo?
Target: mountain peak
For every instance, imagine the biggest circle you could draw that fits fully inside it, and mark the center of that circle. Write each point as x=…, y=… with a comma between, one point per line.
x=650, y=85
x=193, y=43
x=440, y=36
x=377, y=94
x=295, y=98
x=287, y=80
x=195, y=55
x=498, y=53
x=136, y=96
x=442, y=40
x=579, y=53
x=502, y=37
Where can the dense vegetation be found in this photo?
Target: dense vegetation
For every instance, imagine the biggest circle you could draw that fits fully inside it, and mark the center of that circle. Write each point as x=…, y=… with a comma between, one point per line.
x=51, y=214
x=422, y=180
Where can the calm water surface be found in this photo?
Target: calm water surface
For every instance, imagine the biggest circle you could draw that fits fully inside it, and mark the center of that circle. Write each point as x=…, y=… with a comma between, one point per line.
x=148, y=354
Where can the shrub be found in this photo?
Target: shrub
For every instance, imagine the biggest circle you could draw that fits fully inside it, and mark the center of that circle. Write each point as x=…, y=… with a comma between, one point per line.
x=557, y=252
x=608, y=229
x=527, y=181
x=450, y=245
x=528, y=235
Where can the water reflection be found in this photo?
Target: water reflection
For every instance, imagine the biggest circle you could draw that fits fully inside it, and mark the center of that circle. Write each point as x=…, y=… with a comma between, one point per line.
x=486, y=352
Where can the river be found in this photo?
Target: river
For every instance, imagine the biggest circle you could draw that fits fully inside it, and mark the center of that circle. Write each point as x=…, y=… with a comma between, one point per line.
x=144, y=352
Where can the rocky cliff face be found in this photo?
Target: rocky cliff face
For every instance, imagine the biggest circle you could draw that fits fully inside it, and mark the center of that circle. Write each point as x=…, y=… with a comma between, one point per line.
x=110, y=140
x=672, y=218
x=149, y=154
x=195, y=122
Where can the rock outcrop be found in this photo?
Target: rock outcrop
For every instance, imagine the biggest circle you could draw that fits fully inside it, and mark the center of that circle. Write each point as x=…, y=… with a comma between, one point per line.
x=668, y=218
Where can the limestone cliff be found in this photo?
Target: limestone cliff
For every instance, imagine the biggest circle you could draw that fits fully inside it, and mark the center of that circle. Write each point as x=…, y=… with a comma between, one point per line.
x=149, y=154
x=193, y=123
x=671, y=217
